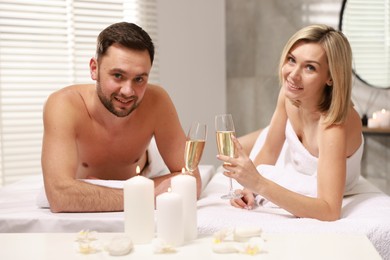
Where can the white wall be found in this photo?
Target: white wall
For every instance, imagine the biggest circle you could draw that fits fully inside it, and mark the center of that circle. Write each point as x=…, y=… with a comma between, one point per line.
x=191, y=40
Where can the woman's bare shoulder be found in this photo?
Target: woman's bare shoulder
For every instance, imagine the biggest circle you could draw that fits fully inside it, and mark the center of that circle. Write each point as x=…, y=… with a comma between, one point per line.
x=350, y=131
x=354, y=131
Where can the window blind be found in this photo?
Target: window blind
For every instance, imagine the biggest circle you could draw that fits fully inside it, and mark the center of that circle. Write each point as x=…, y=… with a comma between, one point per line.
x=367, y=26
x=44, y=46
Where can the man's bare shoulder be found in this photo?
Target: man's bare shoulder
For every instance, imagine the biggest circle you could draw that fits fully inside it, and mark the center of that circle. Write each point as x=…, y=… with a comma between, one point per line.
x=72, y=92
x=157, y=96
x=155, y=91
x=69, y=102
x=71, y=95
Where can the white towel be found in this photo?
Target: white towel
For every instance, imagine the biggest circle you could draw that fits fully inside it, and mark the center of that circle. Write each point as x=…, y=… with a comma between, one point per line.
x=156, y=167
x=156, y=164
x=296, y=168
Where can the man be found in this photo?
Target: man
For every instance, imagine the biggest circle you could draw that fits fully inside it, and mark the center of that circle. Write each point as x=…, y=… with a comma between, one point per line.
x=103, y=130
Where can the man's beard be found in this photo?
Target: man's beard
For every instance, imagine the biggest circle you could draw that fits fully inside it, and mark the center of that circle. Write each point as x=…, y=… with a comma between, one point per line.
x=107, y=102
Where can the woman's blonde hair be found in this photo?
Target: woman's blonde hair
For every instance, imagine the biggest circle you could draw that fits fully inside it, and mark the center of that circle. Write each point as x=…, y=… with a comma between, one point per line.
x=337, y=97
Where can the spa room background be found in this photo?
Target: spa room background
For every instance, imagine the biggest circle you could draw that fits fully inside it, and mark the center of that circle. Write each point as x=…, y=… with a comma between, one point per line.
x=222, y=55
x=255, y=33
x=252, y=56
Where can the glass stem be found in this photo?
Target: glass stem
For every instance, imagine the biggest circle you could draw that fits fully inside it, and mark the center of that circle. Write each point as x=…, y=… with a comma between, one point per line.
x=231, y=186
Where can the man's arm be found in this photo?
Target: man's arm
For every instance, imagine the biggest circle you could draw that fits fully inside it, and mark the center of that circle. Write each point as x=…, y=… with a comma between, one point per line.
x=170, y=140
x=59, y=163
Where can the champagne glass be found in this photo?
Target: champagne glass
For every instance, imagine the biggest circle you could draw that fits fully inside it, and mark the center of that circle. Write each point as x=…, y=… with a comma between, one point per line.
x=196, y=140
x=224, y=128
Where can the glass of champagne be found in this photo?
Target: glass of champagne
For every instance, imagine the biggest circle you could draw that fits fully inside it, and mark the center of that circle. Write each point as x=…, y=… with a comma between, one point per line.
x=196, y=140
x=224, y=128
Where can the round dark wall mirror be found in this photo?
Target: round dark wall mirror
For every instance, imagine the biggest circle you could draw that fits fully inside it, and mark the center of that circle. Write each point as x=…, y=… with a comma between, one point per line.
x=366, y=24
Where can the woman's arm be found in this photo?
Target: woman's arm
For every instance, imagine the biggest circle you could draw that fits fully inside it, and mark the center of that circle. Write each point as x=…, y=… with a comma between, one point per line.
x=276, y=135
x=248, y=141
x=331, y=179
x=270, y=150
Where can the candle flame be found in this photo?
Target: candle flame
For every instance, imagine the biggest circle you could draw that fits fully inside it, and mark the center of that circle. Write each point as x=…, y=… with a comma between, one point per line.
x=183, y=170
x=137, y=170
x=374, y=115
x=383, y=110
x=169, y=189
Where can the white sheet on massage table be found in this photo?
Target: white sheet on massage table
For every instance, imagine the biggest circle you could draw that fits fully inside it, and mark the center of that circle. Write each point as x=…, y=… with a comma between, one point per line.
x=19, y=211
x=366, y=213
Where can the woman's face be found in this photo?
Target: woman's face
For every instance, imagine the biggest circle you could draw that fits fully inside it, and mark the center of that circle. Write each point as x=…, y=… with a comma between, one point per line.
x=306, y=73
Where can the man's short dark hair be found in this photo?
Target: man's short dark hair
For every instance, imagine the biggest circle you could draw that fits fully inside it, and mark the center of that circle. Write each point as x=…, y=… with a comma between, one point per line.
x=126, y=34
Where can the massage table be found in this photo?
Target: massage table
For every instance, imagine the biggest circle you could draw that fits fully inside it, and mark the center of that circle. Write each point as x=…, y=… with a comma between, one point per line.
x=365, y=213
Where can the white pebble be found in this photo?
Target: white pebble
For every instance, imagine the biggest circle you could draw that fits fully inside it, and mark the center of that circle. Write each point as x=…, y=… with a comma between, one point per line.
x=225, y=248
x=242, y=234
x=119, y=246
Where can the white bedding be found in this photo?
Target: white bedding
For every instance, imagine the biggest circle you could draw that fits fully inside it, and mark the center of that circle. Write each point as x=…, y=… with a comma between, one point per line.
x=365, y=213
x=19, y=211
x=366, y=210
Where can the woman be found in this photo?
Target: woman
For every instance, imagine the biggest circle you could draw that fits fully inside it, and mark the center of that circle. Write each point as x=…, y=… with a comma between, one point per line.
x=314, y=111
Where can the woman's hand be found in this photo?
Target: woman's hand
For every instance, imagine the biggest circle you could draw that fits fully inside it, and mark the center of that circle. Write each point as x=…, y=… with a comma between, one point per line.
x=246, y=202
x=241, y=168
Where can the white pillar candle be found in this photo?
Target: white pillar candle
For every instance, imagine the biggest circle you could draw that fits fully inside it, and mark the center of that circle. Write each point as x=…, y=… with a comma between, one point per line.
x=170, y=226
x=387, y=118
x=185, y=185
x=373, y=122
x=139, y=209
x=383, y=118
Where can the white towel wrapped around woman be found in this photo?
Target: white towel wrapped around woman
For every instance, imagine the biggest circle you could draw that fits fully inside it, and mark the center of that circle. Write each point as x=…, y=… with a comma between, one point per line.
x=296, y=168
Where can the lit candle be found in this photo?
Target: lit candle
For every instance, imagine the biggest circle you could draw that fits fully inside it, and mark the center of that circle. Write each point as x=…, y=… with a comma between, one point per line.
x=185, y=185
x=383, y=118
x=139, y=208
x=169, y=210
x=373, y=122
